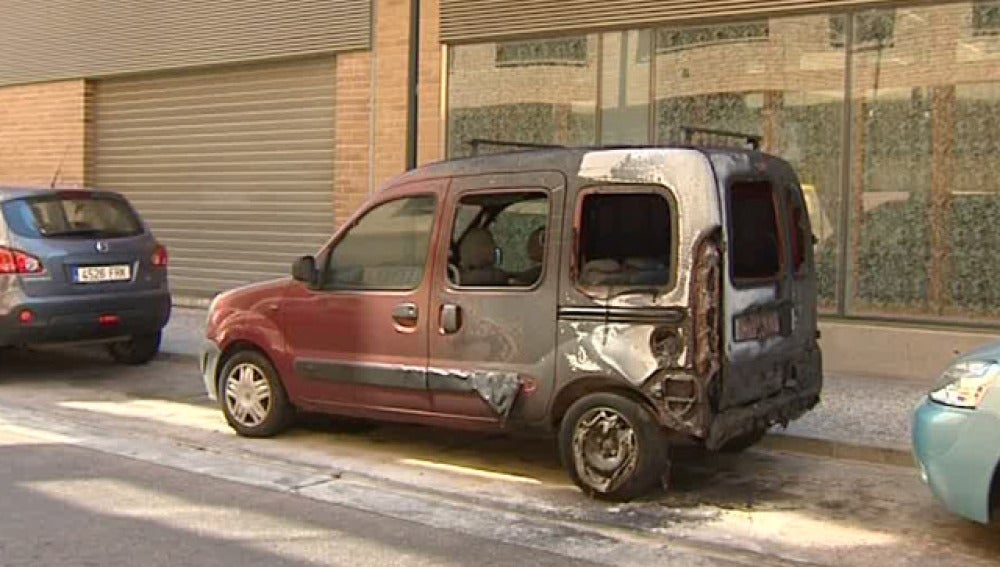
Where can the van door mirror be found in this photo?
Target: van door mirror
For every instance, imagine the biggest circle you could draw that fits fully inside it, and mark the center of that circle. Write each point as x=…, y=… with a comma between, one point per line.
x=304, y=270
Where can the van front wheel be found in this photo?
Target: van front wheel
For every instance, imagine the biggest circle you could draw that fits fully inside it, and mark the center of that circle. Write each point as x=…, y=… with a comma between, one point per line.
x=612, y=447
x=252, y=397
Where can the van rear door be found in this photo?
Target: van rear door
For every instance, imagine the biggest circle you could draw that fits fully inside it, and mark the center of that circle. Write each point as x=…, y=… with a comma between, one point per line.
x=769, y=298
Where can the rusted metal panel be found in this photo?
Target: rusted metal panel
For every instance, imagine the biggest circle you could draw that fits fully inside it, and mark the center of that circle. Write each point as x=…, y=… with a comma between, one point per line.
x=470, y=20
x=68, y=39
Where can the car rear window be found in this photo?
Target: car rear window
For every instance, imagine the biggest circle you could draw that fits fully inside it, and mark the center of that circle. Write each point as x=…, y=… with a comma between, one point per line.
x=84, y=215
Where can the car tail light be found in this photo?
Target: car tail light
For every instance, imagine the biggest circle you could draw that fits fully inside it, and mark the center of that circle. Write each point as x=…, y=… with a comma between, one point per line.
x=160, y=257
x=26, y=317
x=17, y=262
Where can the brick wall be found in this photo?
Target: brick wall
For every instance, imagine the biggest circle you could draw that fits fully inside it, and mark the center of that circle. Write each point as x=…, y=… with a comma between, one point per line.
x=41, y=125
x=352, y=171
x=392, y=36
x=430, y=127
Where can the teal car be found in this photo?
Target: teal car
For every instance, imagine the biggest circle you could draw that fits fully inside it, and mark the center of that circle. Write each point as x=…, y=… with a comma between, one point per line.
x=956, y=436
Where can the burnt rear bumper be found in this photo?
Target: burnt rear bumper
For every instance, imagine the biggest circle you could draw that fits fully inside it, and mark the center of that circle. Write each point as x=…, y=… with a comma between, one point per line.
x=781, y=408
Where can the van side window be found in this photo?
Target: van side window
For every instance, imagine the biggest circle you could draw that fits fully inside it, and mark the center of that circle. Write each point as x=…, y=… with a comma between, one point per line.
x=626, y=239
x=498, y=239
x=386, y=249
x=754, y=240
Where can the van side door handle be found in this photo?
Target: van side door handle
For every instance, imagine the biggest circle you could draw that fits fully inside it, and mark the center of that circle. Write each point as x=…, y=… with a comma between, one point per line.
x=406, y=314
x=450, y=319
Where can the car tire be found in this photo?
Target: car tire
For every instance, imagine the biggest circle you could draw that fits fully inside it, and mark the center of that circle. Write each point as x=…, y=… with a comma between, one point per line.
x=138, y=349
x=252, y=396
x=743, y=442
x=612, y=447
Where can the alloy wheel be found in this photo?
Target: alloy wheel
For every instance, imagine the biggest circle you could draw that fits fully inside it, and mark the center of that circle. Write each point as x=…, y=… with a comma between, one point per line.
x=247, y=395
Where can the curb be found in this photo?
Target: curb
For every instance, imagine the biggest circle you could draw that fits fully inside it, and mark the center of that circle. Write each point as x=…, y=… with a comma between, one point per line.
x=840, y=450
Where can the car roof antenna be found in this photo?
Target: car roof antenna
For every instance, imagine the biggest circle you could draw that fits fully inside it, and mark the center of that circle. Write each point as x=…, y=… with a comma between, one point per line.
x=58, y=172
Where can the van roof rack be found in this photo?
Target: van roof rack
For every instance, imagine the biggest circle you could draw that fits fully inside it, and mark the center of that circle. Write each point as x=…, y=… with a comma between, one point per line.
x=476, y=143
x=753, y=140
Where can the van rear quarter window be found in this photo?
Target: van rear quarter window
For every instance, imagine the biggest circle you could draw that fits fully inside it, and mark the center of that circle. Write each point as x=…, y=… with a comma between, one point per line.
x=755, y=241
x=626, y=239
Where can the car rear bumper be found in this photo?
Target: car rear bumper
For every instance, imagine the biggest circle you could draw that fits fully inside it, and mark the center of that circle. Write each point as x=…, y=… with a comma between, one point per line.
x=957, y=451
x=68, y=319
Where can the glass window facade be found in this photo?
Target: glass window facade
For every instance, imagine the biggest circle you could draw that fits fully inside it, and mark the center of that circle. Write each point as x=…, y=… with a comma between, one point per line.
x=542, y=92
x=890, y=117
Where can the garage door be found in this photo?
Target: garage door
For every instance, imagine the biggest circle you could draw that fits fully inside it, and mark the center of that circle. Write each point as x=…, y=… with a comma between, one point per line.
x=231, y=167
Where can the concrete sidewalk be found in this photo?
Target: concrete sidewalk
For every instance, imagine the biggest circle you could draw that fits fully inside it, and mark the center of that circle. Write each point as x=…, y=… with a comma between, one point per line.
x=859, y=418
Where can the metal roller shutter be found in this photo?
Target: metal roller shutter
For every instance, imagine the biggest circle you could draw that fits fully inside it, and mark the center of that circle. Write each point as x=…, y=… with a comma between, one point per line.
x=59, y=39
x=232, y=168
x=471, y=20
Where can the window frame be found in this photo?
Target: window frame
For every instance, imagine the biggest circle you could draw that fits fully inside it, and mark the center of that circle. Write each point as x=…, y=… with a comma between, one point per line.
x=838, y=39
x=783, y=246
x=327, y=252
x=613, y=188
x=450, y=228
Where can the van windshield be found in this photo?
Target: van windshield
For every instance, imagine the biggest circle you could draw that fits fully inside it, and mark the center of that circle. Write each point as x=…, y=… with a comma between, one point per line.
x=83, y=215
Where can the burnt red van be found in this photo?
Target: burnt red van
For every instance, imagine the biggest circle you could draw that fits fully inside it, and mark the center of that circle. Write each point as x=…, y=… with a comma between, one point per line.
x=626, y=299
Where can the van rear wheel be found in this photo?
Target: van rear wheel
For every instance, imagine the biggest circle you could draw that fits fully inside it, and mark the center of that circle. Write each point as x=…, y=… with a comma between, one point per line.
x=138, y=349
x=612, y=447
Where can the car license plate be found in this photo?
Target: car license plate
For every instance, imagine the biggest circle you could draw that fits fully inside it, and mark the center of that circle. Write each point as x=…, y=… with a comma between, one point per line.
x=758, y=326
x=97, y=274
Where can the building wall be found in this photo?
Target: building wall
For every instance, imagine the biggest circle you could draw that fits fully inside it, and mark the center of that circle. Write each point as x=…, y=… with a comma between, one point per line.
x=392, y=44
x=42, y=131
x=431, y=122
x=352, y=132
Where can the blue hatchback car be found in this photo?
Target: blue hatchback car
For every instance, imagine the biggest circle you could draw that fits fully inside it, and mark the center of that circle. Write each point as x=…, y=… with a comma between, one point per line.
x=80, y=266
x=956, y=436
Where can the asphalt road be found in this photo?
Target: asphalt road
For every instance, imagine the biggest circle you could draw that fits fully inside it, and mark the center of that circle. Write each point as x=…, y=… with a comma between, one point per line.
x=66, y=506
x=391, y=493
